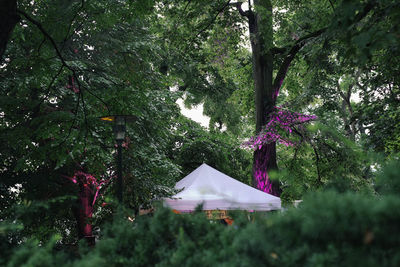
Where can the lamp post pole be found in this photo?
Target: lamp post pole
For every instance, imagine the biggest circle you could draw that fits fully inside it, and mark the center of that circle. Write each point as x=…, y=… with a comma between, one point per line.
x=119, y=132
x=119, y=171
x=119, y=129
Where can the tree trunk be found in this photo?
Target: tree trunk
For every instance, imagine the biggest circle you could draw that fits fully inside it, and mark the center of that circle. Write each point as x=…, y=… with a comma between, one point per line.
x=264, y=161
x=261, y=36
x=267, y=89
x=8, y=13
x=347, y=113
x=84, y=212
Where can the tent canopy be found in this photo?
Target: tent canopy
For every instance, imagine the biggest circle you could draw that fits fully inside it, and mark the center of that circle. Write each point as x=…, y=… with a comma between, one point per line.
x=218, y=191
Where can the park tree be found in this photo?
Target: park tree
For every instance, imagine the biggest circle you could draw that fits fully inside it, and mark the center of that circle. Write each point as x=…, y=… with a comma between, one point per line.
x=65, y=65
x=271, y=62
x=279, y=31
x=261, y=68
x=284, y=35
x=193, y=145
x=350, y=81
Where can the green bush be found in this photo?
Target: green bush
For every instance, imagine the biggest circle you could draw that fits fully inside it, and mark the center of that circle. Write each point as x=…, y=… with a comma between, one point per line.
x=388, y=182
x=327, y=229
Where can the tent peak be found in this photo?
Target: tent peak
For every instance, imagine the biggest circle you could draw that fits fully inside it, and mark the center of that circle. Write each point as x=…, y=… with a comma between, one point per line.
x=217, y=190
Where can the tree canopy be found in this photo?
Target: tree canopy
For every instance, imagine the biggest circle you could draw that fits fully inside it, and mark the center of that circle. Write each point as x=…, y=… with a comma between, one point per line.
x=312, y=86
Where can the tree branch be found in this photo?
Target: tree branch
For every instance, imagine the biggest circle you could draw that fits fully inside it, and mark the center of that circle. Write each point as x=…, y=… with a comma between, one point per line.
x=302, y=41
x=212, y=20
x=40, y=27
x=317, y=159
x=182, y=15
x=243, y=13
x=184, y=10
x=80, y=96
x=72, y=124
x=367, y=8
x=99, y=98
x=339, y=90
x=47, y=35
x=72, y=21
x=333, y=8
x=278, y=50
x=85, y=118
x=290, y=56
x=51, y=84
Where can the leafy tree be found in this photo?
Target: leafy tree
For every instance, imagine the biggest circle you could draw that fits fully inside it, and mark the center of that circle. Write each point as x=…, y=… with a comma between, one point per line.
x=205, y=57
x=279, y=32
x=66, y=65
x=192, y=145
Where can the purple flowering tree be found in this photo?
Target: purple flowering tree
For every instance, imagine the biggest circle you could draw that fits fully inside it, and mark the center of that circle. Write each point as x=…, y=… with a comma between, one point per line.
x=281, y=123
x=270, y=67
x=89, y=190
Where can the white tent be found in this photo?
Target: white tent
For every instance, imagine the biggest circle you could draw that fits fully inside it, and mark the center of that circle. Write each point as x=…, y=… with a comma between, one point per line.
x=218, y=191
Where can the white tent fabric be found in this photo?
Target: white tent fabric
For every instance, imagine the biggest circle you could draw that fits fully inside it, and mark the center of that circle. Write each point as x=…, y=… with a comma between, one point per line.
x=218, y=191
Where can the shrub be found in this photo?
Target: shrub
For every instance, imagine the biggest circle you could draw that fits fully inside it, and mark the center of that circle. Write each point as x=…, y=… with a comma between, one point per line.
x=327, y=229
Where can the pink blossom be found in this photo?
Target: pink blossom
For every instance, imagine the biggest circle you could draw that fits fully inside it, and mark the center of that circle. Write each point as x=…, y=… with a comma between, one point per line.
x=283, y=121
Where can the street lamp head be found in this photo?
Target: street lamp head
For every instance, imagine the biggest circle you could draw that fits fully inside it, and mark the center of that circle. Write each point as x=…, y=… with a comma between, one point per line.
x=119, y=127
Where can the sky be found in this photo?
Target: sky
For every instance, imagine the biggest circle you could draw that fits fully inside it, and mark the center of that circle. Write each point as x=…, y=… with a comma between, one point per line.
x=195, y=114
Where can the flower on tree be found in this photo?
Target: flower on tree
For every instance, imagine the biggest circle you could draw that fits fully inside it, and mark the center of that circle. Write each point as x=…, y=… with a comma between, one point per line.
x=89, y=188
x=281, y=123
x=90, y=183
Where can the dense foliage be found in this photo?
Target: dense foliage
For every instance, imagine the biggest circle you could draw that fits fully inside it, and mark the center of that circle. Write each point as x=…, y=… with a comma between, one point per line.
x=327, y=229
x=331, y=64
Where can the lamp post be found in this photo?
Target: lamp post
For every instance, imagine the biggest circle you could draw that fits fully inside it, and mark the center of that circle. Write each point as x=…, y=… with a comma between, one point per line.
x=119, y=129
